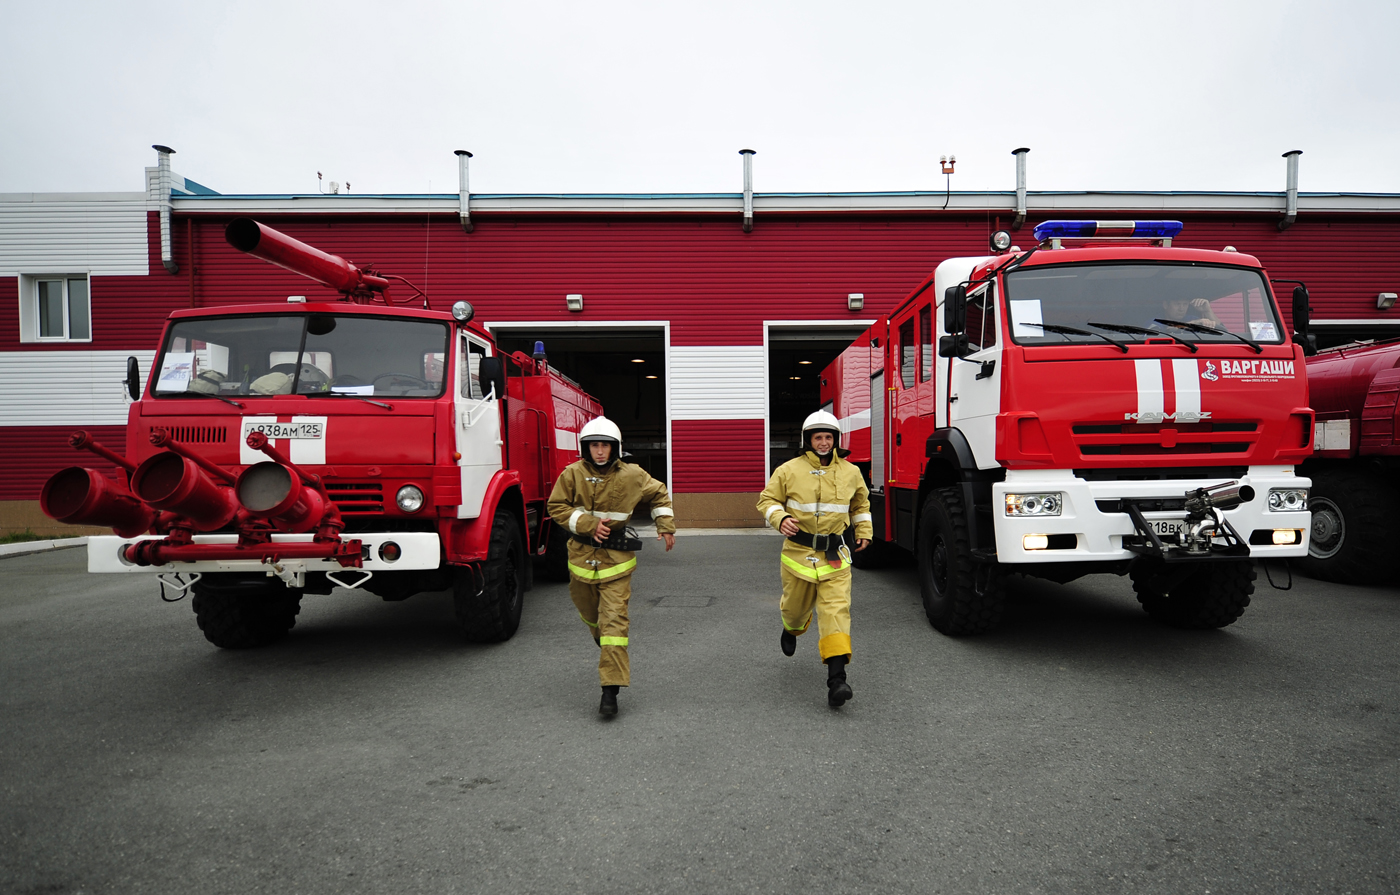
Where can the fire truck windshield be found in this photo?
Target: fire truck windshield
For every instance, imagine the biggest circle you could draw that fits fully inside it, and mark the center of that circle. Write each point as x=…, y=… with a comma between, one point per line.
x=1199, y=303
x=304, y=354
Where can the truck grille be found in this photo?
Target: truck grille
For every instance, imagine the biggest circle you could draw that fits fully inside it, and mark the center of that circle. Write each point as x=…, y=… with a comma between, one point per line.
x=357, y=498
x=1096, y=439
x=198, y=434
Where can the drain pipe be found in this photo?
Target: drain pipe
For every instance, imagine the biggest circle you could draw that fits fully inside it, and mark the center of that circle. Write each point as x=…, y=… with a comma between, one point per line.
x=1291, y=214
x=748, y=155
x=464, y=194
x=163, y=184
x=1020, y=187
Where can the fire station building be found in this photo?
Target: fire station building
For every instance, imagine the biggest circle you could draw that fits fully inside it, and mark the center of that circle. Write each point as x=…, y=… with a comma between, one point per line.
x=701, y=322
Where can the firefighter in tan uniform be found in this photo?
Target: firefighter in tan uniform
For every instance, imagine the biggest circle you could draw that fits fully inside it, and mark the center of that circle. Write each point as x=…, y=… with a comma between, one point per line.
x=820, y=503
x=592, y=498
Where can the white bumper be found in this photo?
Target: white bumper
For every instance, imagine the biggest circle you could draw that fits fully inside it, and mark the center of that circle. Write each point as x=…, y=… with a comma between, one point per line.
x=421, y=550
x=1099, y=535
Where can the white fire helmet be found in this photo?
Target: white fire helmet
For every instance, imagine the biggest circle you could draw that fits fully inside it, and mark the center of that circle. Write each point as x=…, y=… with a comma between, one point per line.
x=600, y=429
x=821, y=421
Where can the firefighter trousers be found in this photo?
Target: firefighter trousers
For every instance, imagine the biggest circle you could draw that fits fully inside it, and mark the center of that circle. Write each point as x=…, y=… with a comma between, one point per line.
x=818, y=588
x=602, y=604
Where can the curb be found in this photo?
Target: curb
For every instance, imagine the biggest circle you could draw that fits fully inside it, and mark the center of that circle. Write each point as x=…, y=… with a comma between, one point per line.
x=40, y=546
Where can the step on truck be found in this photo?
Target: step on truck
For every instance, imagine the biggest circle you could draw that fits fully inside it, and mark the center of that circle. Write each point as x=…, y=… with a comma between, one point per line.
x=1103, y=402
x=280, y=449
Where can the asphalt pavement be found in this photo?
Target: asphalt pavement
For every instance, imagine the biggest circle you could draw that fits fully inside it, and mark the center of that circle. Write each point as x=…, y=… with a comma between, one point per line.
x=1081, y=747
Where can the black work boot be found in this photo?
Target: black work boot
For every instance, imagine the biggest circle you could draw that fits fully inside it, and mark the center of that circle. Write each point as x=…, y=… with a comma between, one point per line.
x=788, y=642
x=837, y=690
x=608, y=705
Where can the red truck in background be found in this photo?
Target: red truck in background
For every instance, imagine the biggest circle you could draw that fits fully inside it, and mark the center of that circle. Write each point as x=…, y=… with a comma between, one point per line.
x=280, y=450
x=1353, y=470
x=1118, y=406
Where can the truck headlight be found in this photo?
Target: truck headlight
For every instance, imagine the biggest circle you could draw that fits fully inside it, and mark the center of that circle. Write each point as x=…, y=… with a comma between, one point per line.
x=409, y=499
x=1287, y=500
x=1034, y=504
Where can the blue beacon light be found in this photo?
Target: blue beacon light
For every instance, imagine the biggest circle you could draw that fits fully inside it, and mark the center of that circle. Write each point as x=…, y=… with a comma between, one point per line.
x=1120, y=229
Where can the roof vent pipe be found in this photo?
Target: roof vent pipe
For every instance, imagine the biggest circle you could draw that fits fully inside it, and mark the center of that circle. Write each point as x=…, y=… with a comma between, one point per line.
x=1291, y=214
x=748, y=189
x=464, y=194
x=1020, y=187
x=163, y=185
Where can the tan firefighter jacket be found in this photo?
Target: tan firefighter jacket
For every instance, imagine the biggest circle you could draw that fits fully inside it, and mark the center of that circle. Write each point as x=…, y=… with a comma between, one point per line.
x=824, y=500
x=583, y=495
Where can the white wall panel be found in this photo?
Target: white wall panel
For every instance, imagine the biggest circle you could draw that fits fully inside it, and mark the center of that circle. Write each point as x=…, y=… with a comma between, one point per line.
x=718, y=382
x=99, y=233
x=66, y=388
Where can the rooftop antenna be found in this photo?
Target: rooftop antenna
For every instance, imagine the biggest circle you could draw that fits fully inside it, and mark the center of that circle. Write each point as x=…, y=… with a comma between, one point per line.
x=948, y=161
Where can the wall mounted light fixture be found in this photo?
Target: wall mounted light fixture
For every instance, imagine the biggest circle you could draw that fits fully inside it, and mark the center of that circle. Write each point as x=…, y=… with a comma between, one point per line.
x=1385, y=301
x=574, y=302
x=855, y=301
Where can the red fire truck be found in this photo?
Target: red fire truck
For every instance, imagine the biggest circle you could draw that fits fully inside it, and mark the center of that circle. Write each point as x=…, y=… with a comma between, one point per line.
x=284, y=449
x=1101, y=403
x=1353, y=390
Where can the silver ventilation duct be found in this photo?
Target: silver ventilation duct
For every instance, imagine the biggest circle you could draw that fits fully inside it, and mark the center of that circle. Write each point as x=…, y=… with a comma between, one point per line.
x=1291, y=213
x=464, y=193
x=163, y=185
x=1020, y=187
x=748, y=155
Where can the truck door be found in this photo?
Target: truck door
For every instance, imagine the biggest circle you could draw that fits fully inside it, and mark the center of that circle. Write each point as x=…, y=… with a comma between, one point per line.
x=478, y=427
x=974, y=392
x=906, y=464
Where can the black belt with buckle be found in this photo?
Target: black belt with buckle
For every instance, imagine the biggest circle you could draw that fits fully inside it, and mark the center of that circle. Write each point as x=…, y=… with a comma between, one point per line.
x=618, y=540
x=830, y=545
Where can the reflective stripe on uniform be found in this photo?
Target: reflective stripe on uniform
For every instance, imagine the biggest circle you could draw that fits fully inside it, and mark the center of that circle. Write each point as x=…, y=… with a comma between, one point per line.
x=661, y=511
x=819, y=507
x=574, y=518
x=613, y=517
x=861, y=517
x=812, y=573
x=798, y=630
x=601, y=574
x=613, y=641
x=587, y=622
x=768, y=516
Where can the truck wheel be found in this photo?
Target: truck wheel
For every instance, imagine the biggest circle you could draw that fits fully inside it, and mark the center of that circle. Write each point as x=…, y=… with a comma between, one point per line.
x=1194, y=595
x=1350, y=528
x=489, y=602
x=959, y=598
x=237, y=610
x=555, y=564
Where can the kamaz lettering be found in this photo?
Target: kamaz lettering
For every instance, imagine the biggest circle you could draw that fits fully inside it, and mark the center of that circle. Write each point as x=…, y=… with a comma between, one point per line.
x=1180, y=416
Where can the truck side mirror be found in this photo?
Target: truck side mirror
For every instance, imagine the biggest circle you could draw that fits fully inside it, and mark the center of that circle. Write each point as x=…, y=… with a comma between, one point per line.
x=492, y=372
x=133, y=378
x=955, y=309
x=953, y=346
x=1302, y=317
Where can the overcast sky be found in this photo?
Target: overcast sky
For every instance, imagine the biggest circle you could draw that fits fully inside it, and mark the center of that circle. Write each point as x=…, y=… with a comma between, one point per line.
x=256, y=97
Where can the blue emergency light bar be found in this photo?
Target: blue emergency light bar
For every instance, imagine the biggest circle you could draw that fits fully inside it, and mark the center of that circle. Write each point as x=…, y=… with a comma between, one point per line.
x=1119, y=229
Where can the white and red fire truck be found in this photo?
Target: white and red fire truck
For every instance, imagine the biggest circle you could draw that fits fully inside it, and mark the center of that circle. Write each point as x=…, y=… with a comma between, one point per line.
x=283, y=449
x=1101, y=403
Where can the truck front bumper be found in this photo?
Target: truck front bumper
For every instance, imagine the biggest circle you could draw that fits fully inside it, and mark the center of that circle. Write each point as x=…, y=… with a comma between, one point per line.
x=1098, y=535
x=417, y=550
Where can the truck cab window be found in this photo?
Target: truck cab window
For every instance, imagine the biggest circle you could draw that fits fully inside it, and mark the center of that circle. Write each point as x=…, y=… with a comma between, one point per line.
x=981, y=320
x=926, y=343
x=471, y=356
x=908, y=353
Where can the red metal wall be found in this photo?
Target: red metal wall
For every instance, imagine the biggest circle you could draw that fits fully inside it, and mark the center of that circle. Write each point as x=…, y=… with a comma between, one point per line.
x=715, y=283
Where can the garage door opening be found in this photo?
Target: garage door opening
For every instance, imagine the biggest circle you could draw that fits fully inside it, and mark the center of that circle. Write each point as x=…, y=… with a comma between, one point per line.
x=624, y=368
x=797, y=354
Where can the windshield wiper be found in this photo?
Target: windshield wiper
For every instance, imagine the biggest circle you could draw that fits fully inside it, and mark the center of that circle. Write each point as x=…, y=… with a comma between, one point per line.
x=1069, y=330
x=191, y=393
x=357, y=397
x=1201, y=328
x=1142, y=330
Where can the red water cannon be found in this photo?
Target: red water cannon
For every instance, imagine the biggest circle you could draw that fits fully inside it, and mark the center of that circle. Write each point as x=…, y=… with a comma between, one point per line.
x=186, y=484
x=279, y=490
x=81, y=496
x=356, y=283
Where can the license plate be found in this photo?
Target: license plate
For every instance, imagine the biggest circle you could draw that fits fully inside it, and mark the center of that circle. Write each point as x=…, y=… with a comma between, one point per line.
x=281, y=431
x=1162, y=527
